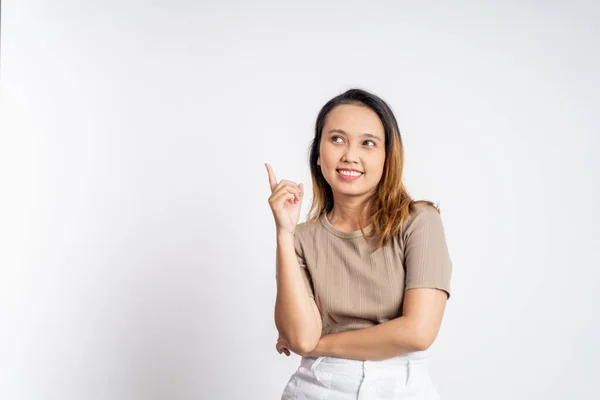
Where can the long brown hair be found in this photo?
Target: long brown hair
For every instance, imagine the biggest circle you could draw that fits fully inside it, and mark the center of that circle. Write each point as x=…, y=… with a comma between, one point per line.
x=391, y=204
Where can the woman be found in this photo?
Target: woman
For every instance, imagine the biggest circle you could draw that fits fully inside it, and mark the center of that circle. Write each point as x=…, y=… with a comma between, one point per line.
x=363, y=284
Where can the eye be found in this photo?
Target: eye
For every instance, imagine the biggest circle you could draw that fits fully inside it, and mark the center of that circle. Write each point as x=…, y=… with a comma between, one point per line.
x=333, y=138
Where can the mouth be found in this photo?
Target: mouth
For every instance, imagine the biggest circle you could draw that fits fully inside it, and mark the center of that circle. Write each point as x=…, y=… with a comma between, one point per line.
x=349, y=175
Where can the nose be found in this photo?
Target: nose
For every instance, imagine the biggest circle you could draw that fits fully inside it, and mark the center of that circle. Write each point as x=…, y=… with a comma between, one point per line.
x=350, y=155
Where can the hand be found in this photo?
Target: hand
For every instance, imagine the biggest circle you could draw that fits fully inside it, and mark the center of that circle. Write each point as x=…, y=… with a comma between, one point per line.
x=282, y=346
x=285, y=201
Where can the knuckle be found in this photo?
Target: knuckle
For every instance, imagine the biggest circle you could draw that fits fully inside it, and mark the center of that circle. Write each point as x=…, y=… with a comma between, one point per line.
x=289, y=183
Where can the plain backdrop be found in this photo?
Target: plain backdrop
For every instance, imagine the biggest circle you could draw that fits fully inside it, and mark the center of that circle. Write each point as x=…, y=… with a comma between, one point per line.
x=137, y=246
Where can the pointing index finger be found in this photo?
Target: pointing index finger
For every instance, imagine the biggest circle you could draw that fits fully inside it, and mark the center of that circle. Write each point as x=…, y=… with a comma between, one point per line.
x=272, y=179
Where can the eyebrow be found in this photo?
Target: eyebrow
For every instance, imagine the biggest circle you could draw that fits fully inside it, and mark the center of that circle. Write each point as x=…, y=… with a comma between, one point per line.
x=344, y=133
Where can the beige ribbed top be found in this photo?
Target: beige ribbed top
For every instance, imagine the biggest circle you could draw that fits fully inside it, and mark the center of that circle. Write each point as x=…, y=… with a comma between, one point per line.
x=355, y=288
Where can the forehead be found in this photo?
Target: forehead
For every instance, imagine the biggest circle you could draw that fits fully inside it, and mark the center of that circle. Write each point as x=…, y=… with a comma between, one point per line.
x=354, y=119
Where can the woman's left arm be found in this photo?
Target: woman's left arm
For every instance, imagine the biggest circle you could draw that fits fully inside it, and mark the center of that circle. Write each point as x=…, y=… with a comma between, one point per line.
x=428, y=273
x=415, y=330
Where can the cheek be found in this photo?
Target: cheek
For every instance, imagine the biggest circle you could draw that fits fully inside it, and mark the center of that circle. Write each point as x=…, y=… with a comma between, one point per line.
x=376, y=170
x=328, y=158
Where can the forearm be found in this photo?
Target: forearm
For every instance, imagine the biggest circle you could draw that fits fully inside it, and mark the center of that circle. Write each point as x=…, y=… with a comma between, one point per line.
x=295, y=318
x=379, y=342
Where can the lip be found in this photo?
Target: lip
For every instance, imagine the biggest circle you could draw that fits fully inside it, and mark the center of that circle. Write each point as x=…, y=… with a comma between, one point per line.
x=349, y=169
x=346, y=177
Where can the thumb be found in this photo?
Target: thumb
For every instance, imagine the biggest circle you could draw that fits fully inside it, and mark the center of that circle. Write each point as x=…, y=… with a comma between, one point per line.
x=301, y=187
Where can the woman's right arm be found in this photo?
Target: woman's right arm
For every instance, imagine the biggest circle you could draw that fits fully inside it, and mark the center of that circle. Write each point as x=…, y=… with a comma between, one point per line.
x=297, y=316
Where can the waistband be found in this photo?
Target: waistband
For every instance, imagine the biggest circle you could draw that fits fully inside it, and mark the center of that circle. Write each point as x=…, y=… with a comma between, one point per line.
x=391, y=366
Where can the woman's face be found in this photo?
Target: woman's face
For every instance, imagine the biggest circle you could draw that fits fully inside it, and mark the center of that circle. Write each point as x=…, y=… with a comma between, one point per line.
x=353, y=138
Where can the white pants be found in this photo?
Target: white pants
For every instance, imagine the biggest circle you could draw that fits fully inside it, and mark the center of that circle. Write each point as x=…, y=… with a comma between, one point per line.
x=332, y=378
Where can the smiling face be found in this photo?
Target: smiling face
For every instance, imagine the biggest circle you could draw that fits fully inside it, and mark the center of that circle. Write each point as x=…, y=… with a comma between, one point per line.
x=353, y=138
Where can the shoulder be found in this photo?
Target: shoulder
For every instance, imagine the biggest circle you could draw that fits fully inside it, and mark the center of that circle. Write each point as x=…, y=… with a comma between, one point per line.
x=422, y=215
x=300, y=230
x=303, y=233
x=305, y=229
x=422, y=211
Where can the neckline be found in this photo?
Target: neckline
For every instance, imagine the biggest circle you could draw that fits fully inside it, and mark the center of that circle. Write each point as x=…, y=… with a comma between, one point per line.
x=343, y=234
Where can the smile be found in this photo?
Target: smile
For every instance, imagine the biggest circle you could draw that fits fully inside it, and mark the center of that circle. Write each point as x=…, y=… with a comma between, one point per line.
x=349, y=175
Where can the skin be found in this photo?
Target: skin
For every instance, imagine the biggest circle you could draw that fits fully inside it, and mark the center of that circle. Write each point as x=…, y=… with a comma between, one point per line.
x=345, y=145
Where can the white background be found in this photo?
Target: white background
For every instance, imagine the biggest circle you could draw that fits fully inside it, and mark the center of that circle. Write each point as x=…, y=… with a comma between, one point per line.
x=137, y=246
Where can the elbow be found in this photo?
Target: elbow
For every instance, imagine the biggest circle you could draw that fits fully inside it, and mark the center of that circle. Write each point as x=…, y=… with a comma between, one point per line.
x=302, y=348
x=421, y=345
x=423, y=339
x=300, y=343
x=304, y=345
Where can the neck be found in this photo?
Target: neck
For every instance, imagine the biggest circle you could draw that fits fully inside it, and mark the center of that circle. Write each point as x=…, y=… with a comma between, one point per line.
x=346, y=214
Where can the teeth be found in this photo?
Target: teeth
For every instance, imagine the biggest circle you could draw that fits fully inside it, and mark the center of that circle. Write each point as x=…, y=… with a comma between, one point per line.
x=350, y=173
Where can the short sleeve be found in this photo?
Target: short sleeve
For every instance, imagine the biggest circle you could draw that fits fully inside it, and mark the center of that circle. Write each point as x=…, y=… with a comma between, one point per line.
x=302, y=262
x=426, y=257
